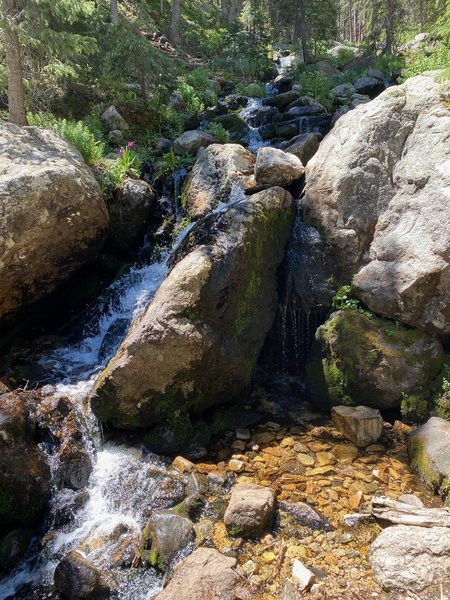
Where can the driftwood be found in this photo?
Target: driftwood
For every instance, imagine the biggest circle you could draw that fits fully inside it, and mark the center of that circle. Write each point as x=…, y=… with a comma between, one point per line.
x=404, y=514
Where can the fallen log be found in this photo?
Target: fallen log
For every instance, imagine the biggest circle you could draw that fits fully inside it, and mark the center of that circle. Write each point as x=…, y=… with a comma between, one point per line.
x=386, y=509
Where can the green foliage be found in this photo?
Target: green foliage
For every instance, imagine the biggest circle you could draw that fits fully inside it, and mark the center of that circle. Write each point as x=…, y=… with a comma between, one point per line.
x=414, y=408
x=390, y=65
x=434, y=58
x=75, y=132
x=171, y=162
x=314, y=84
x=252, y=90
x=345, y=300
x=218, y=131
x=344, y=56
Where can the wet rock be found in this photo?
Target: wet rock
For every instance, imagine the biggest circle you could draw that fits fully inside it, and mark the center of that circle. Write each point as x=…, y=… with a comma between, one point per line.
x=250, y=511
x=305, y=515
x=13, y=547
x=24, y=471
x=390, y=225
x=78, y=579
x=169, y=492
x=54, y=218
x=366, y=359
x=165, y=534
x=361, y=425
x=205, y=574
x=369, y=86
x=283, y=83
x=429, y=453
x=275, y=167
x=74, y=465
x=257, y=116
x=304, y=146
x=282, y=101
x=113, y=120
x=305, y=111
x=236, y=101
x=129, y=214
x=217, y=169
x=190, y=142
x=171, y=436
x=234, y=124
x=200, y=328
x=405, y=558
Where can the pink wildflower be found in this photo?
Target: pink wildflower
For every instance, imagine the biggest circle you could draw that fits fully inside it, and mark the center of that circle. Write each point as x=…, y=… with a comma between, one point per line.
x=121, y=152
x=131, y=145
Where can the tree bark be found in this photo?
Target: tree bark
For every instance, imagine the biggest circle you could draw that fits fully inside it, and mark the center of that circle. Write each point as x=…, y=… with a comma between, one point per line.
x=114, y=13
x=302, y=29
x=389, y=23
x=175, y=26
x=16, y=91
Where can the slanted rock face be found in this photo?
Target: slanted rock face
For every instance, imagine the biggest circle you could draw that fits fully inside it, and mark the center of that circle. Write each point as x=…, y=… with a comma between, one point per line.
x=205, y=574
x=113, y=120
x=361, y=425
x=406, y=558
x=370, y=361
x=275, y=167
x=198, y=341
x=24, y=471
x=429, y=453
x=304, y=146
x=52, y=216
x=250, y=511
x=216, y=170
x=378, y=189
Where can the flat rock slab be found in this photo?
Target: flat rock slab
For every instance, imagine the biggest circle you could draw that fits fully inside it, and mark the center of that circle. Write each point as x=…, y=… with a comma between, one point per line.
x=205, y=574
x=360, y=424
x=406, y=558
x=429, y=452
x=250, y=511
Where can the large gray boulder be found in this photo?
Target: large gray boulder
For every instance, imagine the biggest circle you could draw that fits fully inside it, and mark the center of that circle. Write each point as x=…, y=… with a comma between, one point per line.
x=78, y=579
x=276, y=167
x=217, y=169
x=406, y=558
x=190, y=142
x=197, y=343
x=378, y=189
x=206, y=574
x=52, y=215
x=429, y=453
x=304, y=146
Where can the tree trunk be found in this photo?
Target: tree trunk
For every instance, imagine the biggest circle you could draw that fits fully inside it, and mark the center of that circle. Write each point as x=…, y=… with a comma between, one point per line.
x=302, y=29
x=175, y=26
x=16, y=92
x=389, y=23
x=114, y=13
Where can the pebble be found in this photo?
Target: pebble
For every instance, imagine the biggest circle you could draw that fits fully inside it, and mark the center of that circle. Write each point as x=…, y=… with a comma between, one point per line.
x=302, y=576
x=236, y=465
x=305, y=459
x=243, y=434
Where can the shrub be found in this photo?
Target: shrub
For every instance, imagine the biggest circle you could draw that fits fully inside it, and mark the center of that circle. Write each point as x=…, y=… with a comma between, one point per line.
x=171, y=162
x=344, y=56
x=218, y=131
x=76, y=133
x=316, y=85
x=252, y=90
x=431, y=60
x=390, y=65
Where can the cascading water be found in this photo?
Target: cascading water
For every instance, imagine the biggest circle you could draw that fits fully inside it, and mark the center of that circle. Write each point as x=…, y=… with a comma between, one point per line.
x=254, y=139
x=122, y=477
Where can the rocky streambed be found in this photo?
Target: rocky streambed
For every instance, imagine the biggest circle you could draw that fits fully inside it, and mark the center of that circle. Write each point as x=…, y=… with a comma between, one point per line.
x=170, y=449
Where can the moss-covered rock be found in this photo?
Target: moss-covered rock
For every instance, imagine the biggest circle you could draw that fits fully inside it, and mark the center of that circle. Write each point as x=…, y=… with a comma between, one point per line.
x=234, y=124
x=198, y=342
x=165, y=534
x=172, y=436
x=429, y=454
x=363, y=359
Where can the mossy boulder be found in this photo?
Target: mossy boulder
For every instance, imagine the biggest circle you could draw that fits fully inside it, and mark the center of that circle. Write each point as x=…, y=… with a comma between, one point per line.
x=362, y=359
x=234, y=124
x=197, y=343
x=164, y=535
x=171, y=436
x=429, y=454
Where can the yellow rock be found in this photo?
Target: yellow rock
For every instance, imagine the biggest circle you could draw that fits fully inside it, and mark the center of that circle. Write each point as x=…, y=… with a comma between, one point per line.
x=325, y=458
x=345, y=452
x=355, y=501
x=305, y=459
x=184, y=465
x=268, y=557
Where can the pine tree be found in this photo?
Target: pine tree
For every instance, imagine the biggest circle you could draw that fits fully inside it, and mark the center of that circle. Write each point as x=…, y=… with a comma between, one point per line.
x=44, y=28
